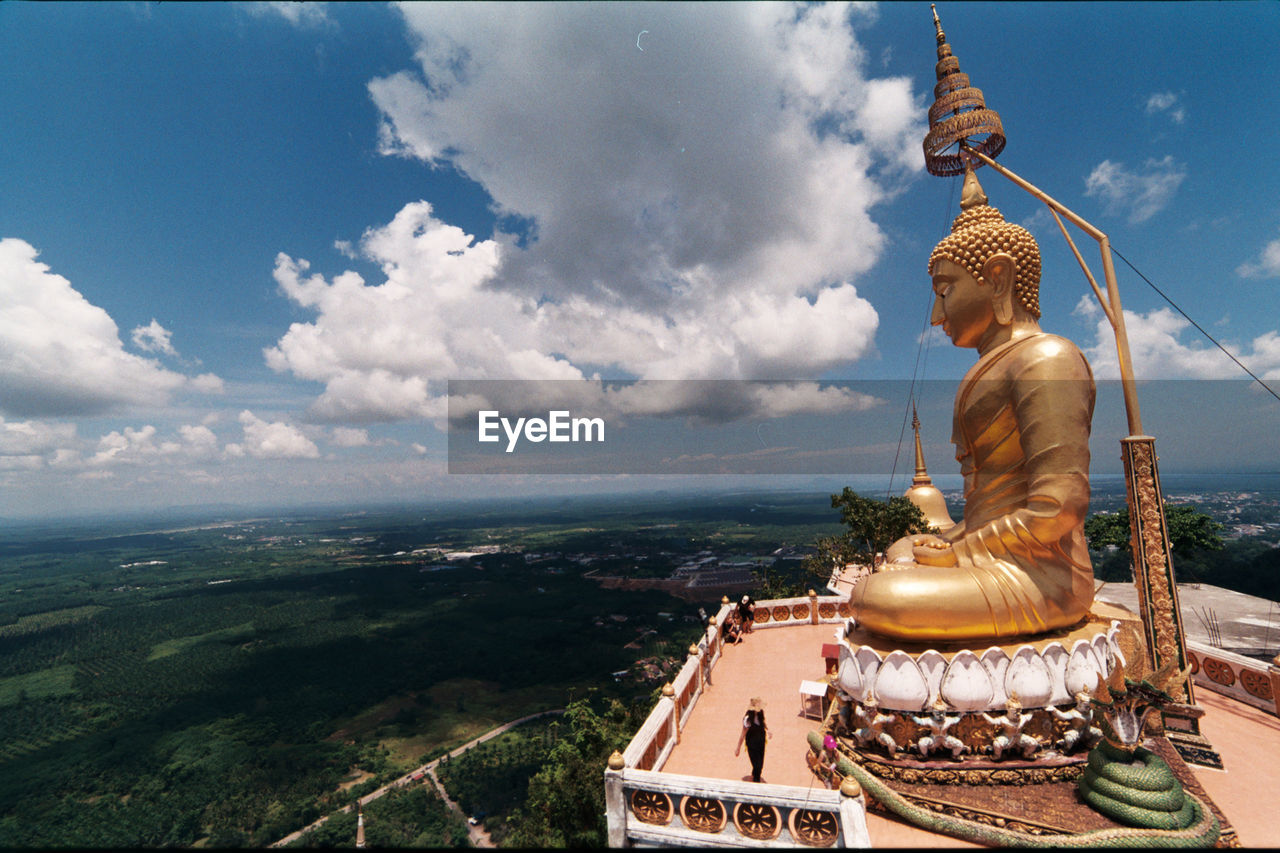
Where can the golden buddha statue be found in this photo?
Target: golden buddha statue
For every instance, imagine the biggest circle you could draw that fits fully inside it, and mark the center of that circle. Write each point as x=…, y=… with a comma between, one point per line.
x=1017, y=563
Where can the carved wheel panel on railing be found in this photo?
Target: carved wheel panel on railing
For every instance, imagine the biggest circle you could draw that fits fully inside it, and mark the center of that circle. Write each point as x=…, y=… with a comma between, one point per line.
x=800, y=611
x=762, y=615
x=814, y=828
x=1256, y=684
x=781, y=612
x=703, y=814
x=826, y=610
x=1219, y=672
x=844, y=610
x=1194, y=660
x=757, y=820
x=652, y=807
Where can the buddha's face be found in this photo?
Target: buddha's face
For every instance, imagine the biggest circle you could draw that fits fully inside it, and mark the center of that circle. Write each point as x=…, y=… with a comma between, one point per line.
x=961, y=305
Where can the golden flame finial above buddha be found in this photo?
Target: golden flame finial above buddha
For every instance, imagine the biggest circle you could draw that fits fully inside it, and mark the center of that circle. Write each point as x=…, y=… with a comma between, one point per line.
x=972, y=194
x=959, y=115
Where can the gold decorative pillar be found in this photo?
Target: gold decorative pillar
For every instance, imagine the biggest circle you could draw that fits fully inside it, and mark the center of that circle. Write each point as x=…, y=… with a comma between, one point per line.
x=693, y=656
x=1158, y=597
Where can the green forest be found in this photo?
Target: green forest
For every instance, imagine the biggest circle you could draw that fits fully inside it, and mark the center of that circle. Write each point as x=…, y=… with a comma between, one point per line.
x=225, y=686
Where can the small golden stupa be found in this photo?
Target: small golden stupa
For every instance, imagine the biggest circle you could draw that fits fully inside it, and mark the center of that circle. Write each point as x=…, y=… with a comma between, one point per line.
x=923, y=493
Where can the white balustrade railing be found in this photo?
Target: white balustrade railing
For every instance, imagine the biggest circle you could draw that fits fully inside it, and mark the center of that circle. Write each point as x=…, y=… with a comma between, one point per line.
x=647, y=806
x=1247, y=679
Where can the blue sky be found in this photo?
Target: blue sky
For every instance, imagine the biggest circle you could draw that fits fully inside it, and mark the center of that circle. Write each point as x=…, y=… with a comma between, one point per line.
x=246, y=245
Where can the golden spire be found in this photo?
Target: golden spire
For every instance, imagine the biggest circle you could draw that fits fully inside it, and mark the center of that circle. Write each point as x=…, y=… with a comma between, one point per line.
x=922, y=475
x=959, y=115
x=923, y=493
x=360, y=842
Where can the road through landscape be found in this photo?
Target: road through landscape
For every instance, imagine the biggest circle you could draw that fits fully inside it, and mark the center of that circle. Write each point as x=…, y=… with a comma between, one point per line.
x=479, y=836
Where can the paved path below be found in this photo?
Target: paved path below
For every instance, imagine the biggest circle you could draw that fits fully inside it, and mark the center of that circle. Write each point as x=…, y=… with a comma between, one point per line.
x=479, y=836
x=475, y=831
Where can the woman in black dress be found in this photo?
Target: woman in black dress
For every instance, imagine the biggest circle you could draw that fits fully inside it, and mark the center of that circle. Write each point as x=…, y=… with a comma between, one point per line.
x=754, y=733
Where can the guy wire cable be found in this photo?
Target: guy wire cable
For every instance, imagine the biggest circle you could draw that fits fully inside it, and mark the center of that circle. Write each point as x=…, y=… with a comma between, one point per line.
x=922, y=345
x=1164, y=296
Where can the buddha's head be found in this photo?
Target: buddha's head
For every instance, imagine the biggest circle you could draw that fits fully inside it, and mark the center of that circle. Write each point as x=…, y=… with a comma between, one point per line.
x=986, y=271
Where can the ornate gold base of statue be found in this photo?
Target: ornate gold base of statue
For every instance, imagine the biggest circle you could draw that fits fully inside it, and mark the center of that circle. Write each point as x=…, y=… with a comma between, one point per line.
x=937, y=735
x=1027, y=803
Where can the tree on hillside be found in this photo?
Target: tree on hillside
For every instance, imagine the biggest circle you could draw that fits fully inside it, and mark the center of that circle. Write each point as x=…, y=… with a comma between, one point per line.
x=565, y=806
x=1190, y=530
x=1191, y=534
x=872, y=527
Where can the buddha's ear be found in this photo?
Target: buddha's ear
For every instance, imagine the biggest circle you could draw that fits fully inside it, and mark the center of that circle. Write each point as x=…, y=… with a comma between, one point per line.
x=999, y=272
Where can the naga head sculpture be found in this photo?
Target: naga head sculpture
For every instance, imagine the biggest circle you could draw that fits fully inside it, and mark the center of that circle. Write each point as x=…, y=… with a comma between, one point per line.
x=1126, y=703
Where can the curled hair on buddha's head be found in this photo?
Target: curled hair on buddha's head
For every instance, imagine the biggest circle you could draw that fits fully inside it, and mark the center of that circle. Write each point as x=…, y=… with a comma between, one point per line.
x=979, y=232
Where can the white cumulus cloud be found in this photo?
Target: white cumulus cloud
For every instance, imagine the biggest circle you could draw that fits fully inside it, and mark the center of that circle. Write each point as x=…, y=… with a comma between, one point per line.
x=62, y=355
x=1138, y=194
x=207, y=383
x=697, y=209
x=271, y=440
x=129, y=445
x=132, y=446
x=1267, y=264
x=1167, y=102
x=1159, y=350
x=34, y=437
x=199, y=441
x=154, y=338
x=308, y=14
x=350, y=437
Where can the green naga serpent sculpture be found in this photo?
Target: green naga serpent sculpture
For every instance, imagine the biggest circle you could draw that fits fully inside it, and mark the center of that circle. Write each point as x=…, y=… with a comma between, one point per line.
x=1124, y=780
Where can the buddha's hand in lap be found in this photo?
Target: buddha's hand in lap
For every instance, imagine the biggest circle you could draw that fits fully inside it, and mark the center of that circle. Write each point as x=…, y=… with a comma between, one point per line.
x=922, y=549
x=935, y=552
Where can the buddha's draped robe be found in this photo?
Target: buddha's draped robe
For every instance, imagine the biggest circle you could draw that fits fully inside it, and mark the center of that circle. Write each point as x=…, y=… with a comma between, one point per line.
x=1021, y=430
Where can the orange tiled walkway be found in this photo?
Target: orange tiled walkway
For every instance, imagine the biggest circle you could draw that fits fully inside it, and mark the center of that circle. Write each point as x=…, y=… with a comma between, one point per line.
x=1246, y=788
x=770, y=664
